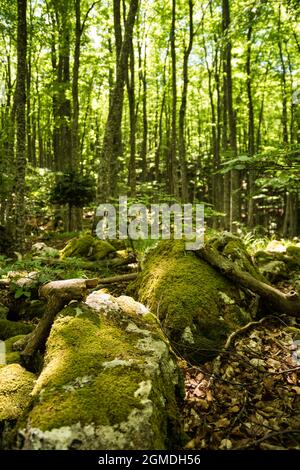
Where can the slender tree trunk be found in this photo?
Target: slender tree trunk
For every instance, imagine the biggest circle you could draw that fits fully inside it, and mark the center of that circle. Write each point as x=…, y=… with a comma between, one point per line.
x=173, y=187
x=251, y=130
x=231, y=145
x=182, y=111
x=20, y=102
x=130, y=81
x=107, y=183
x=144, y=145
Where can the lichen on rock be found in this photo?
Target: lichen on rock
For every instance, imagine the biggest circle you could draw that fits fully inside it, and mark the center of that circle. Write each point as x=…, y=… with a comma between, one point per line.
x=109, y=382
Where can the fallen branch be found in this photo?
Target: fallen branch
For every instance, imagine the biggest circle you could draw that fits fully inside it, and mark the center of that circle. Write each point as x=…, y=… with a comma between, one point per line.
x=115, y=279
x=58, y=294
x=280, y=302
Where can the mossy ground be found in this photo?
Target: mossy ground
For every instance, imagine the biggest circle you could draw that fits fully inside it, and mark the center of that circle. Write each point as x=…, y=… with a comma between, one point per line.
x=185, y=292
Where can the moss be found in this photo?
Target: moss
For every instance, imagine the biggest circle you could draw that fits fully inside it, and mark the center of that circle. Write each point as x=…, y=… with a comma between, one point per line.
x=13, y=357
x=3, y=311
x=103, y=372
x=87, y=246
x=8, y=329
x=294, y=331
x=78, y=348
x=16, y=385
x=185, y=292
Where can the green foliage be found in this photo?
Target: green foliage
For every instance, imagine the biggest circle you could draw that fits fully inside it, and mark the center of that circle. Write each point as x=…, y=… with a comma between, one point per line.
x=73, y=189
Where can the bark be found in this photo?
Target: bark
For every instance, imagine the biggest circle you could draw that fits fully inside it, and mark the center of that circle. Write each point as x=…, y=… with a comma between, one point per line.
x=229, y=134
x=107, y=183
x=58, y=294
x=130, y=82
x=144, y=145
x=283, y=303
x=117, y=279
x=182, y=111
x=173, y=188
x=20, y=103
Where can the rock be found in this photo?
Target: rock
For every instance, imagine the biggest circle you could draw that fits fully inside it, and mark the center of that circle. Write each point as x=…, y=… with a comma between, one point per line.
x=9, y=329
x=197, y=306
x=275, y=271
x=3, y=311
x=12, y=355
x=109, y=381
x=275, y=246
x=16, y=385
x=88, y=247
x=263, y=257
x=41, y=249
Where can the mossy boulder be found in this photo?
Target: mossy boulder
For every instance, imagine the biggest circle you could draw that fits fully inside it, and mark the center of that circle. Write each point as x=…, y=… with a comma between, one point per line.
x=87, y=246
x=8, y=329
x=109, y=381
x=275, y=271
x=197, y=306
x=293, y=256
x=16, y=385
x=13, y=356
x=3, y=311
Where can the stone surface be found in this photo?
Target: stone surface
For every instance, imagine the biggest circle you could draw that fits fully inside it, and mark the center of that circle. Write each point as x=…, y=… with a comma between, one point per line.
x=109, y=381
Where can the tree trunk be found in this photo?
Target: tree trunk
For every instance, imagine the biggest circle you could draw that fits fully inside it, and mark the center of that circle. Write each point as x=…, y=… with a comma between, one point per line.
x=182, y=111
x=20, y=103
x=107, y=182
x=173, y=187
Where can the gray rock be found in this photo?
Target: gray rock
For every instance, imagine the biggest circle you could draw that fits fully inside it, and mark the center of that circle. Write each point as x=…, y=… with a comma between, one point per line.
x=109, y=381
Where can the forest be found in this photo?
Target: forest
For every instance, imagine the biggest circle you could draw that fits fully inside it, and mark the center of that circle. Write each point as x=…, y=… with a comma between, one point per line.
x=122, y=340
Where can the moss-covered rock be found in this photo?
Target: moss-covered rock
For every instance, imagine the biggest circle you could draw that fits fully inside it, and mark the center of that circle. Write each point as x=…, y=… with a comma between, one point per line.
x=196, y=305
x=3, y=311
x=13, y=356
x=87, y=246
x=109, y=381
x=275, y=271
x=16, y=385
x=8, y=329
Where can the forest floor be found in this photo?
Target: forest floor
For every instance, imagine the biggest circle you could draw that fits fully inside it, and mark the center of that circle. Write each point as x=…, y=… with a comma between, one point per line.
x=246, y=398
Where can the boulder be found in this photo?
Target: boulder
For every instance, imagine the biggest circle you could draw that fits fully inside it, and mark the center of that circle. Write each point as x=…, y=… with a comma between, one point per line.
x=87, y=246
x=9, y=329
x=40, y=249
x=275, y=271
x=12, y=355
x=275, y=246
x=3, y=311
x=16, y=385
x=197, y=307
x=109, y=381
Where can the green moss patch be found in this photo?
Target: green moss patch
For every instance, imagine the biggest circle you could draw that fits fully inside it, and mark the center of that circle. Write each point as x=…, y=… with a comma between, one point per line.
x=108, y=372
x=197, y=306
x=8, y=329
x=16, y=385
x=87, y=246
